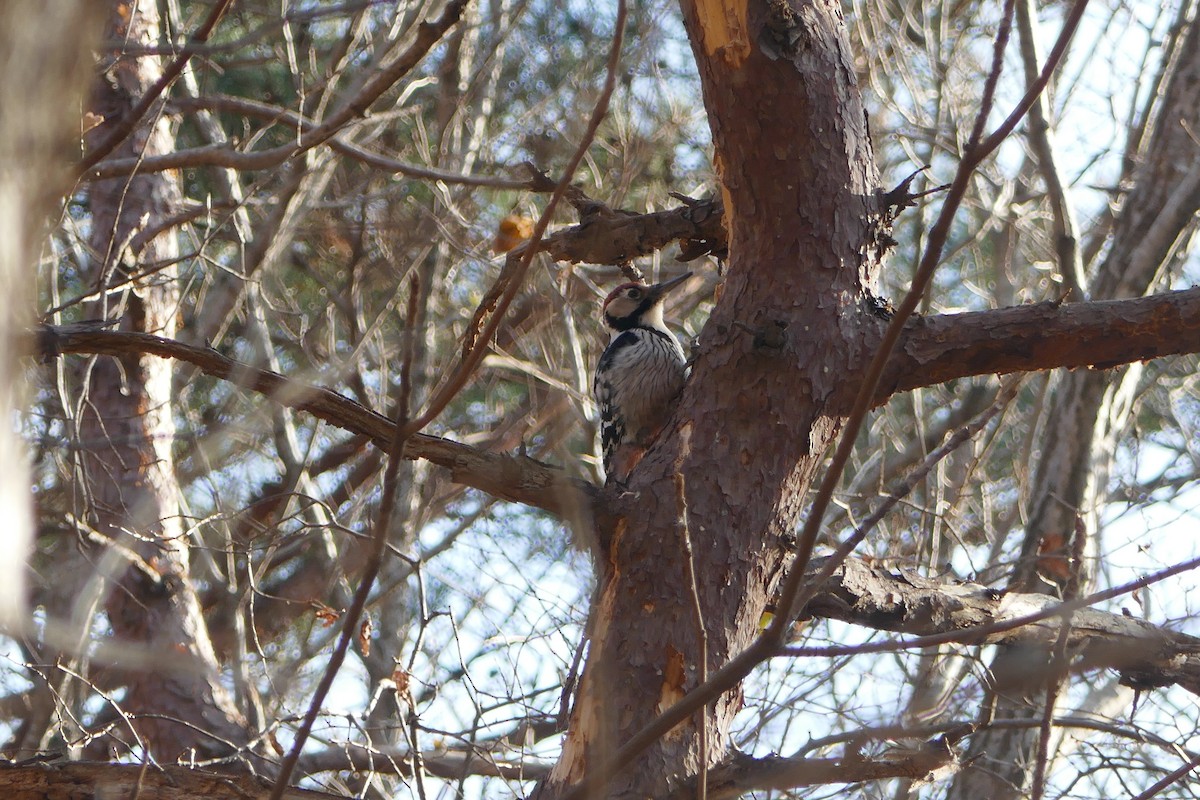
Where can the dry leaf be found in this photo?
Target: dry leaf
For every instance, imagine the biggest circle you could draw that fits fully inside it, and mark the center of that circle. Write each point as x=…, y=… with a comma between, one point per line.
x=512, y=231
x=364, y=636
x=325, y=614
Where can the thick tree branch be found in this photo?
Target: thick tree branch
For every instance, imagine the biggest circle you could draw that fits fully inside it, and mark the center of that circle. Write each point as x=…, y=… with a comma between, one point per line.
x=398, y=760
x=932, y=759
x=89, y=780
x=617, y=237
x=86, y=780
x=744, y=774
x=1042, y=336
x=933, y=350
x=519, y=479
x=1146, y=655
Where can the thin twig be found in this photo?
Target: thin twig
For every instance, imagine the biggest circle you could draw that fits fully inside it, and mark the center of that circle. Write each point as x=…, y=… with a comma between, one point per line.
x=379, y=542
x=988, y=100
x=880, y=732
x=1066, y=229
x=418, y=760
x=1058, y=662
x=1169, y=779
x=568, y=687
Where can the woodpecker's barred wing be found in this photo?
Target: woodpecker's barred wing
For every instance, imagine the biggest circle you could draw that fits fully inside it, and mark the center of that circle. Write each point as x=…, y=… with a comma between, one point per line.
x=612, y=423
x=612, y=431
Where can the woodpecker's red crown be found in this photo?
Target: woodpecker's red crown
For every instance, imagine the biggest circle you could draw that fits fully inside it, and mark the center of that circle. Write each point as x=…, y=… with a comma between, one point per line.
x=633, y=304
x=636, y=294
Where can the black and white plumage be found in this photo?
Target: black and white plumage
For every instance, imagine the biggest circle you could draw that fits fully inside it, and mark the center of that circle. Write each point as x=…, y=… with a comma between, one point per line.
x=639, y=375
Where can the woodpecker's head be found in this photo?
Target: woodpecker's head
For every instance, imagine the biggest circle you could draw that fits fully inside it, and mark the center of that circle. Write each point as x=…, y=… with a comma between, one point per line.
x=636, y=305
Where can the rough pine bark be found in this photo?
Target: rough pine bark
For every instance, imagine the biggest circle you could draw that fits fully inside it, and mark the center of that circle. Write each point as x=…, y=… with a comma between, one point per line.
x=126, y=431
x=773, y=378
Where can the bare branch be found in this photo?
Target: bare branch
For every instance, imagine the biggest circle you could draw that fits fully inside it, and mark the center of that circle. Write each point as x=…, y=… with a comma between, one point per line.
x=621, y=238
x=379, y=542
x=1041, y=139
x=1100, y=335
x=450, y=765
x=84, y=780
x=1175, y=776
x=745, y=774
x=125, y=126
x=1146, y=655
x=428, y=35
x=518, y=478
x=274, y=113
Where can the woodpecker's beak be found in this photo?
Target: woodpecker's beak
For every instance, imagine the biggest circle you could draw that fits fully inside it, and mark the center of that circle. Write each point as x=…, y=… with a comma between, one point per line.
x=659, y=290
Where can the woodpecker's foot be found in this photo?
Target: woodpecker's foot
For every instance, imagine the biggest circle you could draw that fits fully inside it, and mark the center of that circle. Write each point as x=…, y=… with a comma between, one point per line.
x=622, y=461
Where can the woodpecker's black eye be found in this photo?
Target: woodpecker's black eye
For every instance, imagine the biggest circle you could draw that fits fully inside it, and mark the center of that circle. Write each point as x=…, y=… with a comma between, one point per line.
x=634, y=294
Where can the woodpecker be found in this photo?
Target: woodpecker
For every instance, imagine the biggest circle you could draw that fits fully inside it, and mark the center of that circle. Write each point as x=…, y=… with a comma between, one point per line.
x=640, y=373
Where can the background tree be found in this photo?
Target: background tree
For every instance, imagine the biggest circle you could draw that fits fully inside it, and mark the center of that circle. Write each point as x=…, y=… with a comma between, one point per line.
x=236, y=570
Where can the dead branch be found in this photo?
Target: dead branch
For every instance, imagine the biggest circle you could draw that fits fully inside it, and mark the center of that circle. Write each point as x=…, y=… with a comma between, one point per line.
x=86, y=780
x=1146, y=655
x=619, y=238
x=745, y=774
x=398, y=760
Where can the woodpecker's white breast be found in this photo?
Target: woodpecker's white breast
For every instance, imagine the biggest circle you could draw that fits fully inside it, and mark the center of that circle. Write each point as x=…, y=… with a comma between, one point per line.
x=637, y=380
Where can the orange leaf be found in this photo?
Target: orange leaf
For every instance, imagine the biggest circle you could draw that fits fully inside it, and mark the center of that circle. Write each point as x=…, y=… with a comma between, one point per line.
x=512, y=231
x=364, y=636
x=328, y=616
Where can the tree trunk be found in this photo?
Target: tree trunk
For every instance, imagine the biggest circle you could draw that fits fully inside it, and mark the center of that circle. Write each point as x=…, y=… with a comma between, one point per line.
x=126, y=432
x=768, y=391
